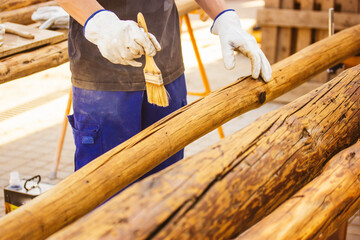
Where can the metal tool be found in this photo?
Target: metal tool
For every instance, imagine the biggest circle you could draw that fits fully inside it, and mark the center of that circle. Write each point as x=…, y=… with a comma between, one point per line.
x=332, y=32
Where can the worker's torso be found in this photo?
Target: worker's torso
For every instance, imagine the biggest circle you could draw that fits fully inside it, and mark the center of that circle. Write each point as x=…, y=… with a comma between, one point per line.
x=92, y=71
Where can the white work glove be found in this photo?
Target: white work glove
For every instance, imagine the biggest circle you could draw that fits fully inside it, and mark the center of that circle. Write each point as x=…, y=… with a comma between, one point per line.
x=51, y=17
x=233, y=37
x=119, y=41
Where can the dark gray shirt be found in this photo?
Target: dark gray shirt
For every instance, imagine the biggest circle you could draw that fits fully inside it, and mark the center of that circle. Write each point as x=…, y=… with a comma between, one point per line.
x=90, y=70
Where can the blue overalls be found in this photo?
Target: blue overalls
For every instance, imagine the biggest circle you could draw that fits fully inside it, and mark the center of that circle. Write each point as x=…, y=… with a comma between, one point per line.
x=104, y=119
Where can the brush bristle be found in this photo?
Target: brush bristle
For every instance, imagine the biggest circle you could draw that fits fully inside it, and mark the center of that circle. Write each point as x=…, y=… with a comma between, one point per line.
x=157, y=94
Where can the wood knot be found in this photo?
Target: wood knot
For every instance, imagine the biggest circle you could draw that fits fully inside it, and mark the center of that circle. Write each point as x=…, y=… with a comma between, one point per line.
x=262, y=97
x=305, y=133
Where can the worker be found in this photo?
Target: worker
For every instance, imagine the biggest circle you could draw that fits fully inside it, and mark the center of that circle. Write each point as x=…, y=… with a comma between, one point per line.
x=106, y=51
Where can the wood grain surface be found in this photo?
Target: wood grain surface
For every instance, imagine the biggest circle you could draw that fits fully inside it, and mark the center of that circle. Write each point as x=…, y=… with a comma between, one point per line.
x=320, y=207
x=229, y=186
x=27, y=63
x=23, y=15
x=15, y=44
x=85, y=189
x=7, y=5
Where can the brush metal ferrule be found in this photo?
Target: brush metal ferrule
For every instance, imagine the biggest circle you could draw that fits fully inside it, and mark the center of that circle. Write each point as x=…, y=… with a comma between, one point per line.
x=153, y=78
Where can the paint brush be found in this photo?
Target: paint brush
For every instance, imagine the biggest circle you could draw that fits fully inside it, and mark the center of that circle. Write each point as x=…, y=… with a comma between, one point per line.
x=156, y=92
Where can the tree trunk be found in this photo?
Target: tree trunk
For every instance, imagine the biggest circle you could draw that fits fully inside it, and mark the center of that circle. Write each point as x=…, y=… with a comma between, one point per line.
x=7, y=5
x=91, y=185
x=318, y=209
x=23, y=15
x=231, y=185
x=27, y=63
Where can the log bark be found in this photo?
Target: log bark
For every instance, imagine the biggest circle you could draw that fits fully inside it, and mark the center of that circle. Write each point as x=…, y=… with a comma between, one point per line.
x=231, y=185
x=114, y=170
x=23, y=15
x=318, y=209
x=27, y=63
x=7, y=5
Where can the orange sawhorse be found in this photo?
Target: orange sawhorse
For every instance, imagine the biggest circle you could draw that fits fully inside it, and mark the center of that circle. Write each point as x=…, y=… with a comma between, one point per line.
x=198, y=58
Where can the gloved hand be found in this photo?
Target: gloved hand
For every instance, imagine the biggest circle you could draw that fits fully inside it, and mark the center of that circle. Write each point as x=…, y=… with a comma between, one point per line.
x=119, y=41
x=51, y=17
x=233, y=37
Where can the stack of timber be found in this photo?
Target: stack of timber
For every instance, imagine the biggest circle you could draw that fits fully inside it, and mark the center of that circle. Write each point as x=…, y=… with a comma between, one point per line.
x=231, y=185
x=36, y=60
x=106, y=175
x=290, y=25
x=320, y=207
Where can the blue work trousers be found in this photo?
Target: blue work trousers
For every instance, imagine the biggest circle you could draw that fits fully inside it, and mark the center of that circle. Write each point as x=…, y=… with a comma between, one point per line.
x=104, y=119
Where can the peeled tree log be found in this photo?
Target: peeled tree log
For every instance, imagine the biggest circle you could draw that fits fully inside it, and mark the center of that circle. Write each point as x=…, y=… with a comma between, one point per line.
x=23, y=15
x=318, y=209
x=85, y=189
x=7, y=5
x=27, y=63
x=231, y=185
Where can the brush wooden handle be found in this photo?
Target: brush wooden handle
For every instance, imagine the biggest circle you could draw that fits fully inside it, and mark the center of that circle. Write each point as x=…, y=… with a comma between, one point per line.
x=150, y=65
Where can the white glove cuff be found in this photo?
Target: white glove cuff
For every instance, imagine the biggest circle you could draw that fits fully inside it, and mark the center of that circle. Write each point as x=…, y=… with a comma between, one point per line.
x=91, y=26
x=222, y=21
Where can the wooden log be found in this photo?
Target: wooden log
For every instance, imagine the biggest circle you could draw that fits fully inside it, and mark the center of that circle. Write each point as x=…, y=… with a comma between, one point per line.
x=23, y=15
x=91, y=185
x=229, y=186
x=305, y=19
x=33, y=61
x=317, y=210
x=7, y=5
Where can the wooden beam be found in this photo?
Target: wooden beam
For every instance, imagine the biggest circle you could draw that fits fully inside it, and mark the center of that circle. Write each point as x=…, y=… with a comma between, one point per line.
x=305, y=19
x=320, y=207
x=27, y=63
x=229, y=186
x=284, y=40
x=111, y=172
x=304, y=34
x=7, y=5
x=270, y=35
x=23, y=15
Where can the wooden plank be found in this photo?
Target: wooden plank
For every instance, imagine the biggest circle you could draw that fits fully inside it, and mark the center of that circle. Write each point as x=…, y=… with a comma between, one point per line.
x=114, y=170
x=285, y=36
x=14, y=44
x=324, y=204
x=269, y=34
x=229, y=186
x=304, y=34
x=305, y=19
x=349, y=5
x=23, y=15
x=7, y=5
x=325, y=5
x=24, y=64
